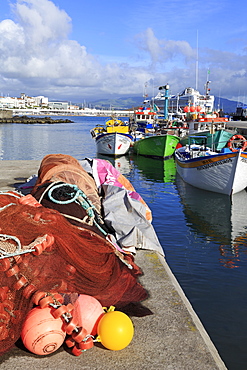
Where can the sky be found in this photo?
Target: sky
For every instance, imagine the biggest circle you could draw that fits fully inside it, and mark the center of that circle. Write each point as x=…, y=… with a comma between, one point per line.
x=81, y=50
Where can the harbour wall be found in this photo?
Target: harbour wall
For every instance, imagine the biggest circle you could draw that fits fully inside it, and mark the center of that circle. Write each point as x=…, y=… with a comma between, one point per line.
x=5, y=114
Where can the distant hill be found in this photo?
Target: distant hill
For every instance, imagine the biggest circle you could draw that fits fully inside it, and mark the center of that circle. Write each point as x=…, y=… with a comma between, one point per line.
x=228, y=106
x=119, y=103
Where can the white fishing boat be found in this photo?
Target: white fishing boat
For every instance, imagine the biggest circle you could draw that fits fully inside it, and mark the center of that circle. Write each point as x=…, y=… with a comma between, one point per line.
x=144, y=119
x=222, y=172
x=113, y=139
x=114, y=144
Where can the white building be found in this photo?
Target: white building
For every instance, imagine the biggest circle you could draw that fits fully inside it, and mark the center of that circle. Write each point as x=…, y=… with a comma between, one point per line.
x=41, y=101
x=25, y=101
x=58, y=105
x=10, y=103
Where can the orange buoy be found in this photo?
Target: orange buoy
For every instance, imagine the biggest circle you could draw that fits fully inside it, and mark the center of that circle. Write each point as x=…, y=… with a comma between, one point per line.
x=41, y=333
x=88, y=311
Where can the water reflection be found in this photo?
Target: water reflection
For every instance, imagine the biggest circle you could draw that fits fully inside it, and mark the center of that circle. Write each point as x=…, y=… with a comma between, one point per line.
x=122, y=164
x=151, y=169
x=156, y=169
x=218, y=218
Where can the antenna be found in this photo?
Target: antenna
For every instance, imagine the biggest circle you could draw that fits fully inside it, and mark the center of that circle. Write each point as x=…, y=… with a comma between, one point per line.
x=219, y=102
x=197, y=60
x=145, y=95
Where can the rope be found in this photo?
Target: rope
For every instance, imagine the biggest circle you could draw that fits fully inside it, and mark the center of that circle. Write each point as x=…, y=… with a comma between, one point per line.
x=18, y=248
x=43, y=194
x=78, y=196
x=7, y=205
x=16, y=195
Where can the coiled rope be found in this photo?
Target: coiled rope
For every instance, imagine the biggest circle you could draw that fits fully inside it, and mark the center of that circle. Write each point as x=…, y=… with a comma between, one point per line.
x=72, y=193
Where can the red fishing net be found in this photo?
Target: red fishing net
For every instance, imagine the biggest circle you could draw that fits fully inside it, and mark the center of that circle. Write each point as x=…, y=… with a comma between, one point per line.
x=45, y=252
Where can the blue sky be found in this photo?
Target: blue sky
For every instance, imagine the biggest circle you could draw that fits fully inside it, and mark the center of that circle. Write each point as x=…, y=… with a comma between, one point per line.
x=84, y=50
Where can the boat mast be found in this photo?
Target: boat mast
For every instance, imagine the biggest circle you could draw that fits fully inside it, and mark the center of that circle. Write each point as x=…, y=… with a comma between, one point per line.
x=145, y=95
x=207, y=89
x=166, y=88
x=197, y=60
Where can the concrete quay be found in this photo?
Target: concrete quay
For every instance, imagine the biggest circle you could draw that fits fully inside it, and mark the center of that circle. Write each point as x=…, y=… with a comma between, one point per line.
x=170, y=337
x=240, y=126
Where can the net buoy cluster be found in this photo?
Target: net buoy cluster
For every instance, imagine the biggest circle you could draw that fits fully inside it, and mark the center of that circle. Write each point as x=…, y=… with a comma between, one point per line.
x=52, y=323
x=36, y=265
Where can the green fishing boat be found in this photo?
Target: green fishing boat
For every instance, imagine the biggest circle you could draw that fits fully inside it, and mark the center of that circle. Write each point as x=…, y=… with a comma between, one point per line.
x=156, y=146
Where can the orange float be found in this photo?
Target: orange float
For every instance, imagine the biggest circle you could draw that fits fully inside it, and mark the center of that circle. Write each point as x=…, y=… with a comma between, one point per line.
x=88, y=312
x=41, y=333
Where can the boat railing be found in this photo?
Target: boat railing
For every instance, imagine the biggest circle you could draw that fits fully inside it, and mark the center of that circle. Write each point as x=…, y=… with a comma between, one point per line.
x=214, y=144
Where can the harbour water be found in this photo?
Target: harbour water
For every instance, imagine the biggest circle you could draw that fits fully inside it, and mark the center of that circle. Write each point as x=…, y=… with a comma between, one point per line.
x=203, y=234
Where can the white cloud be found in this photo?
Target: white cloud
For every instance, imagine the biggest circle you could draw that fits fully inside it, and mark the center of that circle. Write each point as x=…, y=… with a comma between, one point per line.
x=161, y=50
x=36, y=53
x=37, y=46
x=11, y=38
x=42, y=21
x=38, y=57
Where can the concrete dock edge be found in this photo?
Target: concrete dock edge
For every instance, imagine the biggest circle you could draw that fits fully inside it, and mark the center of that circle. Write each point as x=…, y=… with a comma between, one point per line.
x=196, y=319
x=168, y=333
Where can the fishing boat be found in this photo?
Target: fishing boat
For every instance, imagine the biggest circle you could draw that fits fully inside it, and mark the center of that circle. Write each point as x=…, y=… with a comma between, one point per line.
x=216, y=132
x=113, y=139
x=190, y=100
x=144, y=119
x=156, y=146
x=241, y=113
x=191, y=110
x=222, y=172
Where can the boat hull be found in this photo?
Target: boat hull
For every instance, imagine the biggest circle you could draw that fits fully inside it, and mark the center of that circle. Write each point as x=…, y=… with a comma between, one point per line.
x=224, y=173
x=161, y=146
x=114, y=144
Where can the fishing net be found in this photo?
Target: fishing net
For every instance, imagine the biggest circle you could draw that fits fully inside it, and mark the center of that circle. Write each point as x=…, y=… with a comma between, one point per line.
x=64, y=168
x=40, y=250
